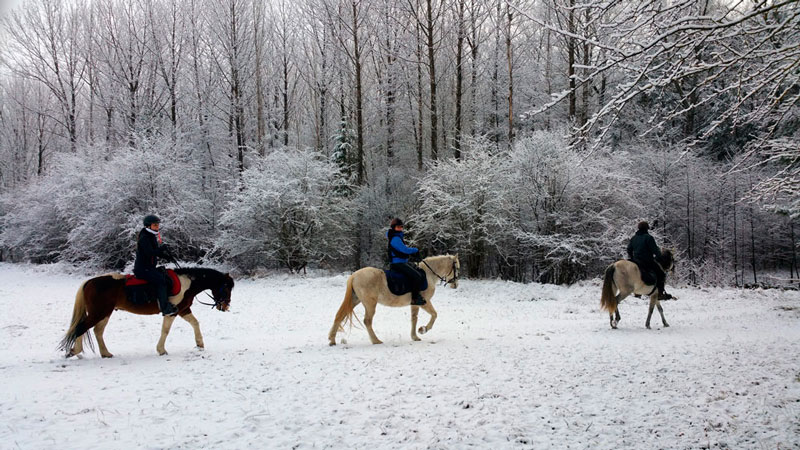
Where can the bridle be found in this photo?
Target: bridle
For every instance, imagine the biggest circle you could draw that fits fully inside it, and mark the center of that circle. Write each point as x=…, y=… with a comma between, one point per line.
x=217, y=303
x=443, y=279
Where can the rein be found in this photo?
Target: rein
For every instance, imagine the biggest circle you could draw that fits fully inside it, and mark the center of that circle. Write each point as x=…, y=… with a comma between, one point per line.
x=443, y=279
x=212, y=305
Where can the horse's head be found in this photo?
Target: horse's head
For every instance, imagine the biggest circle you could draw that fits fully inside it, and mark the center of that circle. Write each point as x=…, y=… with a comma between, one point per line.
x=667, y=261
x=222, y=292
x=453, y=282
x=443, y=267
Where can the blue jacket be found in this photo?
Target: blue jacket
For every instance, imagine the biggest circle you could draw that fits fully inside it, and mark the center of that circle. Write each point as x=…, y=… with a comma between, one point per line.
x=398, y=252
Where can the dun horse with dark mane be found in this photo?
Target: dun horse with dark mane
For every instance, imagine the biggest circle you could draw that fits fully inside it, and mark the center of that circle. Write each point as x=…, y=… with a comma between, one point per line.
x=624, y=278
x=99, y=297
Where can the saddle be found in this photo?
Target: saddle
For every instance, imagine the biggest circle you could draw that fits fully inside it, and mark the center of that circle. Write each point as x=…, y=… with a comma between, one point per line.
x=649, y=277
x=399, y=284
x=140, y=291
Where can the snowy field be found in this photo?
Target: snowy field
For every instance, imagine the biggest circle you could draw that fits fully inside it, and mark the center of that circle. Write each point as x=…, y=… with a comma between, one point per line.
x=506, y=366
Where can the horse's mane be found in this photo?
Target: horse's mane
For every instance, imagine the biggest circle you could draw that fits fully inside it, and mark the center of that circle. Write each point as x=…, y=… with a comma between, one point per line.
x=667, y=257
x=199, y=272
x=437, y=258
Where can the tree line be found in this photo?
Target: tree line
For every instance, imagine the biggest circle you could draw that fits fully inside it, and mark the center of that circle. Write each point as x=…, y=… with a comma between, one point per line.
x=528, y=136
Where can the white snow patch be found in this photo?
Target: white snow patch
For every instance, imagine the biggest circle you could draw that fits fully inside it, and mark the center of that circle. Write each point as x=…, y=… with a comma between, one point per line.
x=506, y=365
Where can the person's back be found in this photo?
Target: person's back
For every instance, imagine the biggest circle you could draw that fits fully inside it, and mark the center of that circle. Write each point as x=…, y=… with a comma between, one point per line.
x=642, y=247
x=643, y=250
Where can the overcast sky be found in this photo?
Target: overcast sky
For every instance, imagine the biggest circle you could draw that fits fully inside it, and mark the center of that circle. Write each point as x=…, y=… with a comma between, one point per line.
x=7, y=5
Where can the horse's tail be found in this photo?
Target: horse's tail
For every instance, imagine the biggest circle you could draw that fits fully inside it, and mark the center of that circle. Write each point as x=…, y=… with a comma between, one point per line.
x=345, y=313
x=608, y=300
x=77, y=326
x=347, y=310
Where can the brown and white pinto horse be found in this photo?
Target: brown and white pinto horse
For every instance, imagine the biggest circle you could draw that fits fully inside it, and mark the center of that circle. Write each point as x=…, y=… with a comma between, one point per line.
x=98, y=297
x=368, y=286
x=623, y=278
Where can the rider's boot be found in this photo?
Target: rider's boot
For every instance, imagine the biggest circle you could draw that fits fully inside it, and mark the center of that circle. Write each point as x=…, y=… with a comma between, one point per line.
x=416, y=299
x=167, y=308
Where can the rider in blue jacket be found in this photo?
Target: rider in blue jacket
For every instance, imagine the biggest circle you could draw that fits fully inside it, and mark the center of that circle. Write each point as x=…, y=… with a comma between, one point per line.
x=399, y=254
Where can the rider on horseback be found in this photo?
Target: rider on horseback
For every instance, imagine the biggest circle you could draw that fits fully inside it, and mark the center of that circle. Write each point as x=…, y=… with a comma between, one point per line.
x=398, y=258
x=148, y=249
x=642, y=250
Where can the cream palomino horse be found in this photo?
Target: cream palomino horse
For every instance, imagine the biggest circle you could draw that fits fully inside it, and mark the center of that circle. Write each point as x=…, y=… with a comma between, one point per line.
x=623, y=278
x=368, y=286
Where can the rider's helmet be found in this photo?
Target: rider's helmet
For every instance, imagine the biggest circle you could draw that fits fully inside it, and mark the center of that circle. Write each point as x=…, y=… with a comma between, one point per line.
x=644, y=226
x=149, y=220
x=396, y=223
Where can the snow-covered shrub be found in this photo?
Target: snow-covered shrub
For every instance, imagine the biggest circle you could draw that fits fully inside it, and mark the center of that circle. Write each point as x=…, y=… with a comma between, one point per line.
x=464, y=205
x=290, y=211
x=91, y=213
x=537, y=212
x=570, y=212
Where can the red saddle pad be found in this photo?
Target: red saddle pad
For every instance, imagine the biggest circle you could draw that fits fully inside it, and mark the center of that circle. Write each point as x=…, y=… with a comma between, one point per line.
x=131, y=280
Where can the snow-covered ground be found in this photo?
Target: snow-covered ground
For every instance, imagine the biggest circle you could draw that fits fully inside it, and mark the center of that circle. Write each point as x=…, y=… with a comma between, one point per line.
x=506, y=366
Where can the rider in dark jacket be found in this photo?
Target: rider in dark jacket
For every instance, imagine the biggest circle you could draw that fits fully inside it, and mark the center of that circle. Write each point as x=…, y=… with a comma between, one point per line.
x=642, y=249
x=398, y=258
x=148, y=250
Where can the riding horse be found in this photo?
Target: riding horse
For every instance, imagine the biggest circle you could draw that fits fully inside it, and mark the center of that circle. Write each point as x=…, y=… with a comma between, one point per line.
x=369, y=286
x=98, y=297
x=624, y=278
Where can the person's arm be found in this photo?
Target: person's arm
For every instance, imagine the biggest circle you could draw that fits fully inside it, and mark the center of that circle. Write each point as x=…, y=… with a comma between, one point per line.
x=398, y=245
x=651, y=243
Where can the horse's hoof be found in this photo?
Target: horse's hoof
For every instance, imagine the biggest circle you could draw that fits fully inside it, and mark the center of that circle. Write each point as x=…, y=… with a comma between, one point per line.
x=331, y=344
x=666, y=325
x=415, y=338
x=201, y=347
x=423, y=329
x=647, y=326
x=377, y=342
x=109, y=355
x=162, y=353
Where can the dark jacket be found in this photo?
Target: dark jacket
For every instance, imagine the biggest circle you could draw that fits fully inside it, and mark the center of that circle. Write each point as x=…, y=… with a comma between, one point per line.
x=396, y=248
x=147, y=252
x=642, y=248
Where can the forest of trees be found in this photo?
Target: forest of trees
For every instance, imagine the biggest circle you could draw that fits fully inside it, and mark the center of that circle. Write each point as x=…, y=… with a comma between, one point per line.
x=529, y=136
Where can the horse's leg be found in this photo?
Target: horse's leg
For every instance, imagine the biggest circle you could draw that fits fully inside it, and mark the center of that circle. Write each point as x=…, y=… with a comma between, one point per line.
x=165, y=326
x=414, y=315
x=653, y=300
x=77, y=348
x=428, y=307
x=611, y=316
x=661, y=311
x=369, y=312
x=198, y=337
x=98, y=333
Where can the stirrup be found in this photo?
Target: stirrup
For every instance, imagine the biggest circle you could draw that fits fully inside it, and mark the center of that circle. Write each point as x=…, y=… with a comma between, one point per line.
x=417, y=301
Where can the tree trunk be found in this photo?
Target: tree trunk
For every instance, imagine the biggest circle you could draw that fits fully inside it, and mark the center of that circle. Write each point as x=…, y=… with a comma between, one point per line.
x=509, y=57
x=459, y=80
x=359, y=100
x=429, y=30
x=571, y=59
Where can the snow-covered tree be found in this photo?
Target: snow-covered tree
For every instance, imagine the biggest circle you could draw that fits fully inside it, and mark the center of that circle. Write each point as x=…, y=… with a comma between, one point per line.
x=289, y=212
